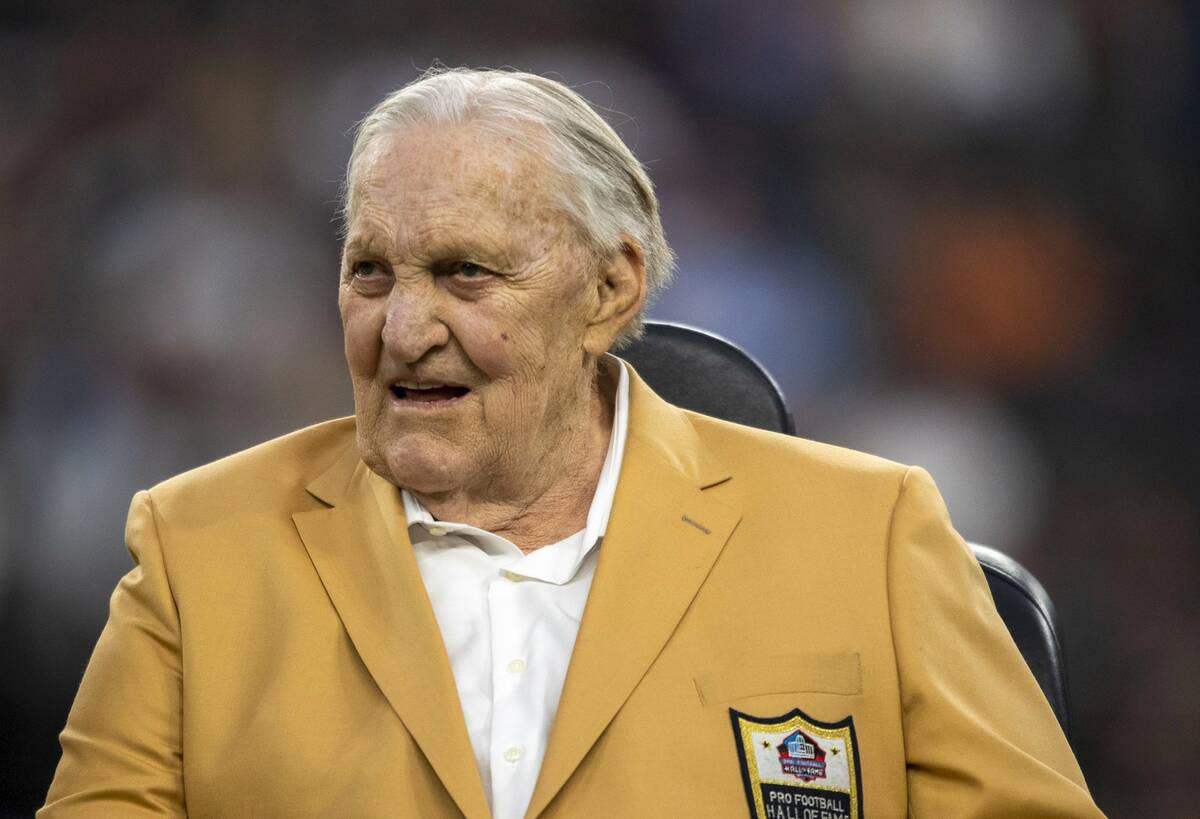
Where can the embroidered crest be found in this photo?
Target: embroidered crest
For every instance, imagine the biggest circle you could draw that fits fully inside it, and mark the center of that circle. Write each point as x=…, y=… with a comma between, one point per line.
x=796, y=767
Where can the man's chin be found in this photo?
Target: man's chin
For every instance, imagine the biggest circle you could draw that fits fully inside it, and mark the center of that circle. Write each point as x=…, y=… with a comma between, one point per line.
x=415, y=465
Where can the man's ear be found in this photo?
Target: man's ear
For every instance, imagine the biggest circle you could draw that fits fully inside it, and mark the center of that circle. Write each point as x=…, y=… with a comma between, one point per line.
x=621, y=292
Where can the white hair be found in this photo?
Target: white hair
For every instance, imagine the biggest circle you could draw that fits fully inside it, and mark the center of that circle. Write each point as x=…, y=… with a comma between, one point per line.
x=601, y=185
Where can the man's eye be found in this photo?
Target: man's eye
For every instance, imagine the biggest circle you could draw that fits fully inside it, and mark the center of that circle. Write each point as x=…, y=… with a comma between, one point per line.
x=470, y=270
x=365, y=270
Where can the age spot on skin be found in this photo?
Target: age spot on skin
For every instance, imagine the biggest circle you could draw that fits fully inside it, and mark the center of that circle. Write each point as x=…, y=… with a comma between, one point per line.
x=504, y=336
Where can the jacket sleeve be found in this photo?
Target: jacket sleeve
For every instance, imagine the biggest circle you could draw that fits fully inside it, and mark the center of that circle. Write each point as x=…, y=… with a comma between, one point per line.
x=980, y=739
x=122, y=745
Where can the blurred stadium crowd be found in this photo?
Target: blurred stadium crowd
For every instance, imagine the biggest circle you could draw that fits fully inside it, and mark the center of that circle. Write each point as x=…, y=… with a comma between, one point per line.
x=955, y=230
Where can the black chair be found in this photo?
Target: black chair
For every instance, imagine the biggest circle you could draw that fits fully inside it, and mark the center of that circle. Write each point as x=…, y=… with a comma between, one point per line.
x=680, y=363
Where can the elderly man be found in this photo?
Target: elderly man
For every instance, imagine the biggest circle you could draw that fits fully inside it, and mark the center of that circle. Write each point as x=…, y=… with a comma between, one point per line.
x=517, y=583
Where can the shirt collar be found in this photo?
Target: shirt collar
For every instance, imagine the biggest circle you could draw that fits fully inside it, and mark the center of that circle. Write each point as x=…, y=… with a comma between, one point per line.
x=550, y=563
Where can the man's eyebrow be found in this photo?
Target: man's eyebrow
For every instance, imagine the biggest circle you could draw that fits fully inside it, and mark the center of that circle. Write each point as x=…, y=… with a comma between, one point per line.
x=481, y=248
x=364, y=243
x=469, y=247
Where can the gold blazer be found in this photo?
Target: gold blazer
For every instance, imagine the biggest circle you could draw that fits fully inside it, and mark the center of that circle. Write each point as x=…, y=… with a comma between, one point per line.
x=273, y=651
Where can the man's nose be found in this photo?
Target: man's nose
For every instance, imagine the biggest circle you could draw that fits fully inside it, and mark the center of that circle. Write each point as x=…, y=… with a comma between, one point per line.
x=413, y=325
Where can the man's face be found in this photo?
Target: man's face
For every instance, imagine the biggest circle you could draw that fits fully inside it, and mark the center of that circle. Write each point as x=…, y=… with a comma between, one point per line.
x=464, y=299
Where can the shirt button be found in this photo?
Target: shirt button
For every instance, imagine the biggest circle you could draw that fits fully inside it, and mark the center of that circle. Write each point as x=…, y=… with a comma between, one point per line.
x=513, y=753
x=515, y=666
x=513, y=576
x=438, y=531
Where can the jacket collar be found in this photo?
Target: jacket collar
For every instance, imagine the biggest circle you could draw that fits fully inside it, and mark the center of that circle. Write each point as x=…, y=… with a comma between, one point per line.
x=663, y=538
x=361, y=550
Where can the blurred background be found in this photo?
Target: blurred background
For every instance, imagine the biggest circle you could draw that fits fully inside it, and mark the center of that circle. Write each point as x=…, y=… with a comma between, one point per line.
x=955, y=230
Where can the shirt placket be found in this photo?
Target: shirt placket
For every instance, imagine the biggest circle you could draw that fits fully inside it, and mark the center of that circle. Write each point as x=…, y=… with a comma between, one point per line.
x=514, y=751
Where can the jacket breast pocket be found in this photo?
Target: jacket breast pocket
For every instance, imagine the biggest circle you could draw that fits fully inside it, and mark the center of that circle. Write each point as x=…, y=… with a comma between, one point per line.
x=820, y=673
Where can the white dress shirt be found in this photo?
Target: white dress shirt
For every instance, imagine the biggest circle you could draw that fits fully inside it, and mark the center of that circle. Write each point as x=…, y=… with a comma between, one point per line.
x=509, y=621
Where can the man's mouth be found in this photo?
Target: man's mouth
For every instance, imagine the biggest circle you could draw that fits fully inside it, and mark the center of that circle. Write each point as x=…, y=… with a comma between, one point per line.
x=427, y=393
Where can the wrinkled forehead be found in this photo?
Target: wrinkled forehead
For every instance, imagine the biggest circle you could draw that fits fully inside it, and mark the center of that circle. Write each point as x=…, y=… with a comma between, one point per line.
x=498, y=171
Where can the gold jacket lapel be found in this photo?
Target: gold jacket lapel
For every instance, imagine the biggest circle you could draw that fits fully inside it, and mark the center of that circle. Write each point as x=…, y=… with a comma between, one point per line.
x=361, y=551
x=663, y=536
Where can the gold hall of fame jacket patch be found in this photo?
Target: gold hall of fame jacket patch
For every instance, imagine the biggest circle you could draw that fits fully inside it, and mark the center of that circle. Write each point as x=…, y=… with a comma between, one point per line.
x=796, y=767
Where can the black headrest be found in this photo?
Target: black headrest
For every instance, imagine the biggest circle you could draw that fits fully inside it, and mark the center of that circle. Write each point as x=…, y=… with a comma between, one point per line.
x=705, y=373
